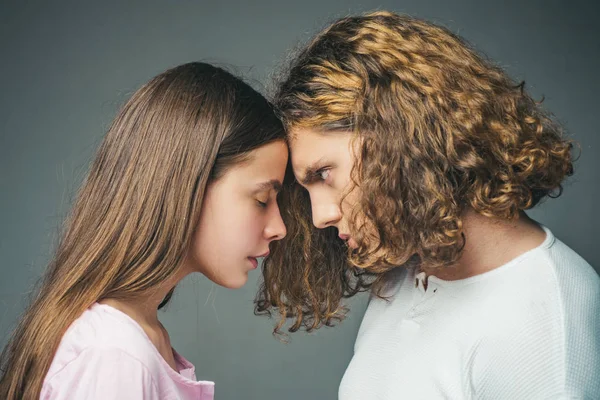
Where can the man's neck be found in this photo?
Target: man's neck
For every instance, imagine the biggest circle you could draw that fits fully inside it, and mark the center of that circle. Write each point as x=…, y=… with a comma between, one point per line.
x=491, y=243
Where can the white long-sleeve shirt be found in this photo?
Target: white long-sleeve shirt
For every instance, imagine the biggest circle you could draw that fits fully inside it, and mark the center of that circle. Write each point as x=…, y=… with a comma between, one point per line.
x=529, y=329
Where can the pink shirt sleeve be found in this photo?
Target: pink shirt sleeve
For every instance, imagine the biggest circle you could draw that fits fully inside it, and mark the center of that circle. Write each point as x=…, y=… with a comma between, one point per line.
x=101, y=373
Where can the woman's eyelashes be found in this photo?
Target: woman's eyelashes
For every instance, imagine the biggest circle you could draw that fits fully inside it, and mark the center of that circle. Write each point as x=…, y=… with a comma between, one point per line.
x=263, y=200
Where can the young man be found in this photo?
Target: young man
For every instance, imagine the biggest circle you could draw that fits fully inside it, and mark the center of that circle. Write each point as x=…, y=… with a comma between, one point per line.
x=415, y=158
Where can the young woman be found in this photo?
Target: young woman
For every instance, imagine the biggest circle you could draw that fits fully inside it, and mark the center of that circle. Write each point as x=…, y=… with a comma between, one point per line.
x=185, y=181
x=415, y=159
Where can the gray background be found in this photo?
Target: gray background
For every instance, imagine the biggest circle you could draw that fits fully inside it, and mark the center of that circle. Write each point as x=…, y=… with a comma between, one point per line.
x=66, y=68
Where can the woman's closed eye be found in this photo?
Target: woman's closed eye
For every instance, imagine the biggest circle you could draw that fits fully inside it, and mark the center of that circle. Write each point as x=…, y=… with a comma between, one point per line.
x=262, y=204
x=263, y=201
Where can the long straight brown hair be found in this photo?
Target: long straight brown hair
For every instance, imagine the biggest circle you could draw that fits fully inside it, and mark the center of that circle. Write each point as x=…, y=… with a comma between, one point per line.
x=131, y=224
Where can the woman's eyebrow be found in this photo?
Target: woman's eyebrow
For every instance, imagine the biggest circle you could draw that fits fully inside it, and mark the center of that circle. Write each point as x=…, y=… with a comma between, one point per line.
x=274, y=184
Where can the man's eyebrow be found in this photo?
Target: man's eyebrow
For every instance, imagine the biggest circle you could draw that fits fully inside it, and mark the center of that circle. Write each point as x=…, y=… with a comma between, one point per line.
x=311, y=173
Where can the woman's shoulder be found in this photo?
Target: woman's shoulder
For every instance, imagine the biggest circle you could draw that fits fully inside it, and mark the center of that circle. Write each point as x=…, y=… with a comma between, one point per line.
x=100, y=330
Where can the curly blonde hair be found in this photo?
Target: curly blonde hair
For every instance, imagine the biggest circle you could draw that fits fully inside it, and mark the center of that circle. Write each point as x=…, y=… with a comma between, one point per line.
x=441, y=129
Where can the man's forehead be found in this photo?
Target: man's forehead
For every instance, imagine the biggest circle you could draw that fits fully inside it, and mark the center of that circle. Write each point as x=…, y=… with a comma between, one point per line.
x=302, y=146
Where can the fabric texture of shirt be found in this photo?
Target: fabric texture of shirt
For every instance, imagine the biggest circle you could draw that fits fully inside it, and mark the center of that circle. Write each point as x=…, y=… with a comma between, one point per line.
x=107, y=355
x=529, y=329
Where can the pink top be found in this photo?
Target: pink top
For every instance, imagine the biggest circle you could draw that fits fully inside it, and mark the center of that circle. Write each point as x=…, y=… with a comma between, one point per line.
x=106, y=355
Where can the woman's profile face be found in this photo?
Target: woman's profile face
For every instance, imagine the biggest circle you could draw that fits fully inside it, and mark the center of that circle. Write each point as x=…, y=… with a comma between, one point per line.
x=240, y=217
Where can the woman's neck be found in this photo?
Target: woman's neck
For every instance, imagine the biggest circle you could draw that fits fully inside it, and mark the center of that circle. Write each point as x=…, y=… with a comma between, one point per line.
x=144, y=308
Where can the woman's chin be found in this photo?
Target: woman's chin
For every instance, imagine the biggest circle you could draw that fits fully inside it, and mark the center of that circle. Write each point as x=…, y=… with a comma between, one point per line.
x=232, y=282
